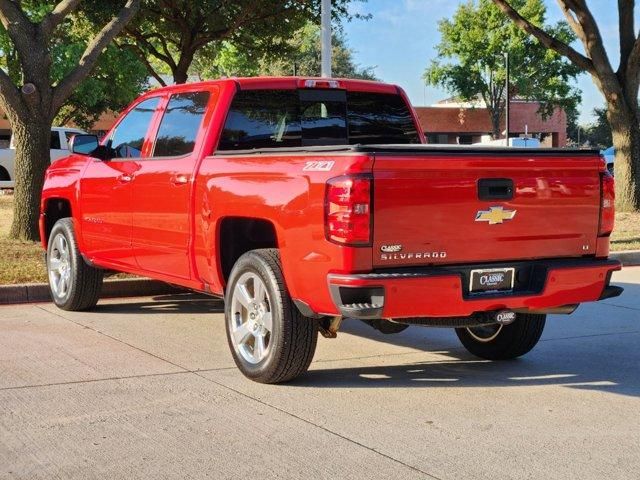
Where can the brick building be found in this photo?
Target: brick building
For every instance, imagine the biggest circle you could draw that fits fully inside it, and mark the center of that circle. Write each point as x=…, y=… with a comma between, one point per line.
x=450, y=122
x=446, y=122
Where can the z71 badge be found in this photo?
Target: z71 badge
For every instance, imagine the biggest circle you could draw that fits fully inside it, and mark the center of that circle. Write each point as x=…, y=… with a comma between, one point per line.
x=324, y=166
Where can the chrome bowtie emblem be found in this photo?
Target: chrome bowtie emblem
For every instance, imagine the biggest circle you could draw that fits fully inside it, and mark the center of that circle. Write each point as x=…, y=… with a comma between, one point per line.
x=495, y=215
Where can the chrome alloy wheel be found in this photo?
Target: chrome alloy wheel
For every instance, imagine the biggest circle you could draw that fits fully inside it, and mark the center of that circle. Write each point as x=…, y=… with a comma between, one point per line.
x=59, y=266
x=251, y=319
x=485, y=333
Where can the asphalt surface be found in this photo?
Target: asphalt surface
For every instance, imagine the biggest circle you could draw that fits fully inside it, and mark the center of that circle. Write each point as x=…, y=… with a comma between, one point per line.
x=146, y=388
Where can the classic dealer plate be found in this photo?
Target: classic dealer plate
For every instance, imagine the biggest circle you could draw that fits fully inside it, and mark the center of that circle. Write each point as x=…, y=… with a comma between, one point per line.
x=492, y=280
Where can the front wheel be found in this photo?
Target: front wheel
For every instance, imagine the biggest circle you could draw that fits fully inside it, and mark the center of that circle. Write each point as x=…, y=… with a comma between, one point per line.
x=503, y=342
x=73, y=284
x=270, y=340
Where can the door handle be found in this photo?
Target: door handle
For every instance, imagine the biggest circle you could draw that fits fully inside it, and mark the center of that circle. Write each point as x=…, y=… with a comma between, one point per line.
x=179, y=179
x=495, y=189
x=125, y=178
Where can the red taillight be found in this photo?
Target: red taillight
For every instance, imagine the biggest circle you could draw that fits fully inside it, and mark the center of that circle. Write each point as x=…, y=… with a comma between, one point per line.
x=348, y=210
x=607, y=204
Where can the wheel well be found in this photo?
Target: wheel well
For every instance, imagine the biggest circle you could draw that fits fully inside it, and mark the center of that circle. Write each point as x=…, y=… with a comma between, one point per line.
x=56, y=209
x=4, y=175
x=238, y=235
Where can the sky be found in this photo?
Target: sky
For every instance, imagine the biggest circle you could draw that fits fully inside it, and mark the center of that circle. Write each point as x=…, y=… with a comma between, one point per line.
x=400, y=39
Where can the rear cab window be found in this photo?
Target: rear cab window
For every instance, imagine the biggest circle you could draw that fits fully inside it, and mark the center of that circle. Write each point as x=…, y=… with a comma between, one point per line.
x=315, y=117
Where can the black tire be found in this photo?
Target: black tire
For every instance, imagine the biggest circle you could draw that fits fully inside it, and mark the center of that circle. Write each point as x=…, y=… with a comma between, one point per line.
x=84, y=282
x=507, y=342
x=292, y=338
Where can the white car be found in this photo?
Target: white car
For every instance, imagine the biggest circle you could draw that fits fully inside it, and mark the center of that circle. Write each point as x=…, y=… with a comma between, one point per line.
x=60, y=137
x=609, y=156
x=513, y=142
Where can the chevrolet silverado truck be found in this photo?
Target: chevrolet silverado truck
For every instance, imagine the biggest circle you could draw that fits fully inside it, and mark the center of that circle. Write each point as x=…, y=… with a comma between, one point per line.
x=303, y=201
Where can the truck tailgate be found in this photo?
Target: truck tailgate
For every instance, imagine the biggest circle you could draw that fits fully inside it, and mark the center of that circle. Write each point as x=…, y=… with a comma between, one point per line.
x=456, y=207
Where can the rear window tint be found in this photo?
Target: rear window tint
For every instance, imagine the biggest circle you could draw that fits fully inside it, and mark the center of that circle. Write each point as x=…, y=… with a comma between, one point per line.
x=262, y=119
x=290, y=118
x=380, y=118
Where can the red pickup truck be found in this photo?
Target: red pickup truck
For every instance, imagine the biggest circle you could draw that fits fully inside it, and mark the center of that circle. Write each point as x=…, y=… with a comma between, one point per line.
x=303, y=201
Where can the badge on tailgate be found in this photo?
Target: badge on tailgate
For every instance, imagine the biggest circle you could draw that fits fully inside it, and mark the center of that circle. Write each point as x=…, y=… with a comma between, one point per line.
x=495, y=215
x=492, y=280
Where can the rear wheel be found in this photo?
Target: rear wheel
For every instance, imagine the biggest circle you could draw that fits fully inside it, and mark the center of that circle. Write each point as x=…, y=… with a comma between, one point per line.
x=270, y=340
x=74, y=285
x=503, y=342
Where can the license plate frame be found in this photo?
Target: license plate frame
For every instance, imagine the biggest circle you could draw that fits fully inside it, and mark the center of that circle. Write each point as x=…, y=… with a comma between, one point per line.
x=493, y=284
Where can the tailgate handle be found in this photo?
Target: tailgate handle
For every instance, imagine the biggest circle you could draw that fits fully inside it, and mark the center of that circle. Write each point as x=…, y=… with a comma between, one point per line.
x=495, y=189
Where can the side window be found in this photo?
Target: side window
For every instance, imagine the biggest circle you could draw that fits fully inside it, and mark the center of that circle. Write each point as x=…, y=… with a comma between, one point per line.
x=262, y=119
x=55, y=141
x=180, y=124
x=128, y=138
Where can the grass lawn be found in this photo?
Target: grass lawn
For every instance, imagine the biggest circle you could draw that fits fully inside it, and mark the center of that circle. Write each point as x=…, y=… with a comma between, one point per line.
x=626, y=235
x=22, y=262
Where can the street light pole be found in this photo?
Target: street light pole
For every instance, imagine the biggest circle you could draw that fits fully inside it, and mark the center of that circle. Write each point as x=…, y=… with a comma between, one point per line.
x=506, y=111
x=325, y=33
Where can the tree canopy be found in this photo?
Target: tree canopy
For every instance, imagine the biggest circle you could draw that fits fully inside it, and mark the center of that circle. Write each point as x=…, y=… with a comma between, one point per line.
x=168, y=34
x=33, y=90
x=470, y=59
x=619, y=85
x=301, y=56
x=596, y=134
x=118, y=76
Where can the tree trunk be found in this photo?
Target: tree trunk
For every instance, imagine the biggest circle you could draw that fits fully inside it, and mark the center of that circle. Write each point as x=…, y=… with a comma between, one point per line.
x=32, y=137
x=626, y=140
x=181, y=72
x=180, y=76
x=494, y=113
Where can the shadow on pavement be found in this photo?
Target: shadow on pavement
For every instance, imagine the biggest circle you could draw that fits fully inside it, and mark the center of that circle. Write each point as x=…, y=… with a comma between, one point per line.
x=175, y=303
x=606, y=363
x=463, y=371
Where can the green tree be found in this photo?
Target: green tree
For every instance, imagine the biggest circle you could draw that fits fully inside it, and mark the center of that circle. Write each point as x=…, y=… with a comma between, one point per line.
x=301, y=57
x=470, y=61
x=30, y=93
x=168, y=34
x=619, y=85
x=598, y=133
x=117, y=78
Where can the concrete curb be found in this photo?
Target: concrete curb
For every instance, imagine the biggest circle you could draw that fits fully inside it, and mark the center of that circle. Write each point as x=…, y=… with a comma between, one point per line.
x=141, y=287
x=628, y=258
x=126, y=287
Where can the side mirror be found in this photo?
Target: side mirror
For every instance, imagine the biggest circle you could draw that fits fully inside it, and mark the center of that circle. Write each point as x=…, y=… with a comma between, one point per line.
x=83, y=144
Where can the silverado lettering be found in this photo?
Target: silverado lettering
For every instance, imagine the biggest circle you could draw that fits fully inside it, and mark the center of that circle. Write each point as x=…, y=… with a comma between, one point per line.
x=305, y=201
x=412, y=256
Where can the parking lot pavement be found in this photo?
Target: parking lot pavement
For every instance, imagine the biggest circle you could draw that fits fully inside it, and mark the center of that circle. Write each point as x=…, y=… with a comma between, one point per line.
x=145, y=388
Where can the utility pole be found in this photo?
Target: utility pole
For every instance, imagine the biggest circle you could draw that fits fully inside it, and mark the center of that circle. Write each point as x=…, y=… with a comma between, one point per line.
x=325, y=33
x=506, y=111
